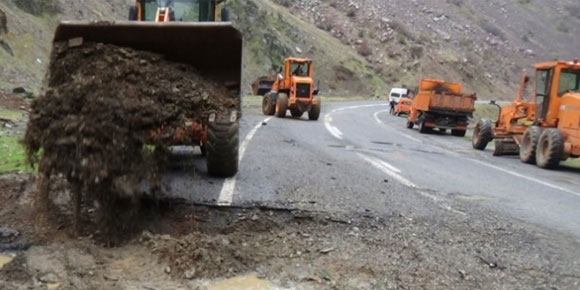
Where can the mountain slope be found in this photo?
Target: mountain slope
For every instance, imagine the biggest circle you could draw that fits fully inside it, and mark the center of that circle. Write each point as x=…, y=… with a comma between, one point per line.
x=484, y=44
x=360, y=47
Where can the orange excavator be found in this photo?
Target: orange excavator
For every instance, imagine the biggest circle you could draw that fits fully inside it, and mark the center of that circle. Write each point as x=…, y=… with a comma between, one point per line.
x=545, y=129
x=293, y=90
x=194, y=32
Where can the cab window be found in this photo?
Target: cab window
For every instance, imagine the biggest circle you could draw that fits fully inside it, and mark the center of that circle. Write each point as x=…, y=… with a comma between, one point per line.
x=184, y=10
x=300, y=69
x=569, y=82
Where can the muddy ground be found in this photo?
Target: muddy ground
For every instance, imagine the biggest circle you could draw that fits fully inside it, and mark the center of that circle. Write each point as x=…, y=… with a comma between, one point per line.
x=181, y=245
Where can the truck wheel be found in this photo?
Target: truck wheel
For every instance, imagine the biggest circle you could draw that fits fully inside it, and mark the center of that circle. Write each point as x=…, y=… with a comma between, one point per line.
x=268, y=106
x=314, y=112
x=281, y=105
x=222, y=149
x=296, y=113
x=133, y=13
x=458, y=133
x=410, y=124
x=550, y=149
x=422, y=128
x=482, y=134
x=529, y=144
x=442, y=131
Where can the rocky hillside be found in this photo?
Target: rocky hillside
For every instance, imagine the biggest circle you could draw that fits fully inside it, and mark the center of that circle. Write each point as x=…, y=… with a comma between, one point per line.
x=361, y=47
x=484, y=44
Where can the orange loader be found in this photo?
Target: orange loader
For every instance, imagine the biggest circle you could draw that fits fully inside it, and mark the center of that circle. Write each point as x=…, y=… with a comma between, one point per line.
x=442, y=105
x=293, y=90
x=194, y=32
x=545, y=129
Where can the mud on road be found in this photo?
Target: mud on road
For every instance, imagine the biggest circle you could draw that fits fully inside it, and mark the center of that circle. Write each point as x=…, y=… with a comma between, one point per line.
x=190, y=247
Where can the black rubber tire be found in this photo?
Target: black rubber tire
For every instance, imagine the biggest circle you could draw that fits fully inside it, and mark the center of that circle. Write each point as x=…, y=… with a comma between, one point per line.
x=482, y=134
x=410, y=124
x=314, y=112
x=550, y=149
x=296, y=113
x=268, y=106
x=222, y=149
x=281, y=105
x=442, y=131
x=529, y=144
x=458, y=133
x=225, y=14
x=423, y=129
x=133, y=13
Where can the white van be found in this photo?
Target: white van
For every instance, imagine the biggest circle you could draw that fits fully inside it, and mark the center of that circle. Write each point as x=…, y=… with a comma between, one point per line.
x=397, y=93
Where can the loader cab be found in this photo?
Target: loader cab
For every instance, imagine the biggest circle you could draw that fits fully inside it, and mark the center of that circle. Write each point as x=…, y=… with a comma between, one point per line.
x=553, y=81
x=179, y=10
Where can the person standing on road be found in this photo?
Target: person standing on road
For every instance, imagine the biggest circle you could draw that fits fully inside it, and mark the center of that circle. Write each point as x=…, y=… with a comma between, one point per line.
x=392, y=104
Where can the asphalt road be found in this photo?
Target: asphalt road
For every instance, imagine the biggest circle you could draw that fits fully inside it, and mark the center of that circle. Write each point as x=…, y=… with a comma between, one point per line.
x=358, y=158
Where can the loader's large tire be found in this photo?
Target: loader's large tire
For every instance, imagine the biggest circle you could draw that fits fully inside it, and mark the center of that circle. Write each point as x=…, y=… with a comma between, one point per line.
x=268, y=106
x=296, y=113
x=314, y=112
x=458, y=133
x=482, y=134
x=133, y=12
x=529, y=144
x=222, y=149
x=550, y=149
x=281, y=105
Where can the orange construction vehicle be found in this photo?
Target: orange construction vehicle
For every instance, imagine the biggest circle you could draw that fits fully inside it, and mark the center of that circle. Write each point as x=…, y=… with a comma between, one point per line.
x=403, y=107
x=173, y=28
x=441, y=105
x=545, y=129
x=293, y=90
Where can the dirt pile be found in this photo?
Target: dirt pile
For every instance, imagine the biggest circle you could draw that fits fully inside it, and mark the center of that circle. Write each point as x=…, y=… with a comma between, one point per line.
x=99, y=109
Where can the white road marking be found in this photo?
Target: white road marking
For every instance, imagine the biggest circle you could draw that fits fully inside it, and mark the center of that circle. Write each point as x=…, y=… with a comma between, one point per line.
x=378, y=120
x=335, y=132
x=226, y=196
x=331, y=129
x=526, y=177
x=381, y=165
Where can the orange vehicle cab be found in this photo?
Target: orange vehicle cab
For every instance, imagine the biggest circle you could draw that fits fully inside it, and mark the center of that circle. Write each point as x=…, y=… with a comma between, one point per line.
x=403, y=107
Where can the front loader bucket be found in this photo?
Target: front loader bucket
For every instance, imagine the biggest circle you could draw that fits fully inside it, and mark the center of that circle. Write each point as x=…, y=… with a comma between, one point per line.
x=213, y=48
x=263, y=85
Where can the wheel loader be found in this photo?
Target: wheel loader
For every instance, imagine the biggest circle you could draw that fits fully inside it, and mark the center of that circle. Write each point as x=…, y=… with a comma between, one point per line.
x=293, y=90
x=442, y=105
x=193, y=32
x=545, y=129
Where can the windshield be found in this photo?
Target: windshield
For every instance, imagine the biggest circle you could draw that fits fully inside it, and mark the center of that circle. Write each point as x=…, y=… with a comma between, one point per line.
x=569, y=81
x=299, y=69
x=183, y=10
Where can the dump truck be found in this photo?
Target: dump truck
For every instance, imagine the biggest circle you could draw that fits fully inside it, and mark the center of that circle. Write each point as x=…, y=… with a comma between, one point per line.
x=544, y=129
x=442, y=105
x=190, y=32
x=294, y=90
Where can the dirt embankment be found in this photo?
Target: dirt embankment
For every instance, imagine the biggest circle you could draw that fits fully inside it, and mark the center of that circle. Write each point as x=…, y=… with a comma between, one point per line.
x=96, y=118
